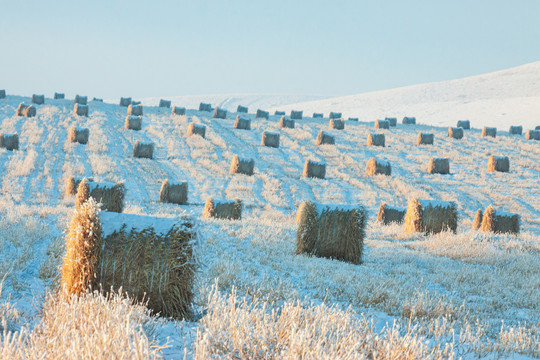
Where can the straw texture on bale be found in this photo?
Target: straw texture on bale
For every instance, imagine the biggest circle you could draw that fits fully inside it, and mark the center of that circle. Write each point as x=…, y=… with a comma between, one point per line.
x=499, y=222
x=242, y=166
x=176, y=193
x=242, y=122
x=498, y=163
x=196, y=129
x=125, y=101
x=83, y=100
x=9, y=141
x=262, y=114
x=38, y=99
x=297, y=115
x=376, y=167
x=375, y=140
x=424, y=139
x=133, y=122
x=337, y=124
x=392, y=121
x=477, y=222
x=455, y=132
x=318, y=115
x=110, y=195
x=141, y=150
x=430, y=216
x=242, y=109
x=219, y=113
x=324, y=138
x=515, y=130
x=489, y=131
x=353, y=119
x=408, y=120
x=439, y=166
x=464, y=124
x=389, y=214
x=164, y=103
x=382, y=124
x=205, y=107
x=80, y=110
x=26, y=110
x=279, y=113
x=223, y=209
x=2, y=94
x=334, y=115
x=153, y=264
x=314, y=169
x=78, y=135
x=532, y=135
x=334, y=232
x=270, y=139
x=136, y=110
x=285, y=122
x=72, y=184
x=178, y=110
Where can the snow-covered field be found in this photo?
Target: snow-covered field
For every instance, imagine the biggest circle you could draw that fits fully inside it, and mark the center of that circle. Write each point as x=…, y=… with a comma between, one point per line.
x=449, y=295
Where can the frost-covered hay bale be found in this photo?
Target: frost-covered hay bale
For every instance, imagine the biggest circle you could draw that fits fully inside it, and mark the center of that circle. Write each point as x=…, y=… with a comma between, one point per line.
x=439, y=166
x=242, y=109
x=376, y=167
x=219, y=113
x=136, y=110
x=205, y=107
x=331, y=231
x=38, y=99
x=532, y=135
x=325, y=139
x=464, y=124
x=500, y=222
x=142, y=150
x=147, y=257
x=314, y=169
x=477, y=222
x=97, y=100
x=353, y=119
x=262, y=114
x=382, y=124
x=297, y=115
x=9, y=141
x=83, y=100
x=318, y=115
x=110, y=195
x=176, y=193
x=279, y=113
x=78, y=135
x=392, y=121
x=135, y=103
x=242, y=122
x=242, y=166
x=72, y=184
x=337, y=124
x=223, y=209
x=408, y=120
x=334, y=115
x=196, y=129
x=80, y=110
x=26, y=110
x=498, y=163
x=455, y=132
x=270, y=139
x=515, y=130
x=2, y=94
x=424, y=139
x=125, y=101
x=285, y=122
x=133, y=122
x=489, y=131
x=164, y=103
x=375, y=140
x=389, y=214
x=431, y=216
x=178, y=110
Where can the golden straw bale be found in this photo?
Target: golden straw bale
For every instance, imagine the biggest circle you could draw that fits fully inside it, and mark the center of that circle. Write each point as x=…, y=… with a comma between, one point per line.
x=498, y=163
x=219, y=113
x=285, y=122
x=337, y=124
x=78, y=135
x=223, y=209
x=382, y=124
x=375, y=140
x=80, y=110
x=439, y=166
x=135, y=110
x=500, y=222
x=324, y=139
x=262, y=114
x=270, y=139
x=532, y=134
x=242, y=166
x=133, y=122
x=424, y=139
x=430, y=216
x=455, y=132
x=375, y=167
x=110, y=195
x=176, y=193
x=242, y=122
x=489, y=131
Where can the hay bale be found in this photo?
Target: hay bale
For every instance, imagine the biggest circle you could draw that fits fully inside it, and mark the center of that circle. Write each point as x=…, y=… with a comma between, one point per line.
x=270, y=139
x=205, y=107
x=439, y=166
x=135, y=103
x=375, y=140
x=279, y=113
x=515, y=130
x=9, y=141
x=136, y=110
x=149, y=258
x=498, y=163
x=489, y=131
x=314, y=169
x=424, y=139
x=142, y=150
x=80, y=110
x=97, y=100
x=133, y=122
x=455, y=132
x=376, y=167
x=242, y=109
x=110, y=195
x=196, y=129
x=392, y=121
x=2, y=94
x=334, y=115
x=464, y=124
x=500, y=222
x=318, y=115
x=331, y=231
x=243, y=123
x=408, y=120
x=72, y=184
x=285, y=122
x=125, y=101
x=296, y=115
x=353, y=119
x=219, y=113
x=223, y=209
x=431, y=216
x=26, y=110
x=537, y=128
x=389, y=214
x=382, y=124
x=177, y=110
x=38, y=99
x=164, y=103
x=324, y=139
x=262, y=114
x=337, y=124
x=176, y=193
x=78, y=135
x=83, y=100
x=477, y=222
x=532, y=135
x=242, y=166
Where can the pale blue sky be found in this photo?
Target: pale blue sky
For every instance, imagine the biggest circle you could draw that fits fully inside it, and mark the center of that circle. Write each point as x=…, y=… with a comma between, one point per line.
x=164, y=48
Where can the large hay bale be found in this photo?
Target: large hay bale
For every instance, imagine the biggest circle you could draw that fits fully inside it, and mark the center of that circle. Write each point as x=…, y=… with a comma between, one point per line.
x=219, y=113
x=392, y=121
x=279, y=113
x=515, y=130
x=242, y=109
x=38, y=99
x=178, y=110
x=324, y=139
x=455, y=132
x=430, y=216
x=133, y=122
x=78, y=135
x=389, y=214
x=110, y=195
x=334, y=115
x=408, y=120
x=242, y=166
x=498, y=163
x=176, y=193
x=353, y=119
x=9, y=141
x=164, y=103
x=464, y=124
x=424, y=139
x=439, y=166
x=500, y=222
x=489, y=131
x=532, y=135
x=296, y=115
x=142, y=150
x=196, y=129
x=136, y=110
x=26, y=110
x=80, y=110
x=285, y=122
x=205, y=107
x=149, y=258
x=376, y=167
x=382, y=124
x=223, y=209
x=83, y=100
x=337, y=124
x=375, y=140
x=2, y=94
x=262, y=114
x=477, y=222
x=314, y=169
x=270, y=139
x=125, y=101
x=318, y=115
x=331, y=231
x=242, y=122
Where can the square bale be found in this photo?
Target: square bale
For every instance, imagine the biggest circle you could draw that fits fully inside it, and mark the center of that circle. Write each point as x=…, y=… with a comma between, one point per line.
x=314, y=169
x=375, y=140
x=133, y=122
x=176, y=193
x=243, y=123
x=242, y=166
x=378, y=167
x=78, y=135
x=439, y=166
x=390, y=214
x=143, y=150
x=324, y=139
x=270, y=139
x=223, y=209
x=196, y=129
